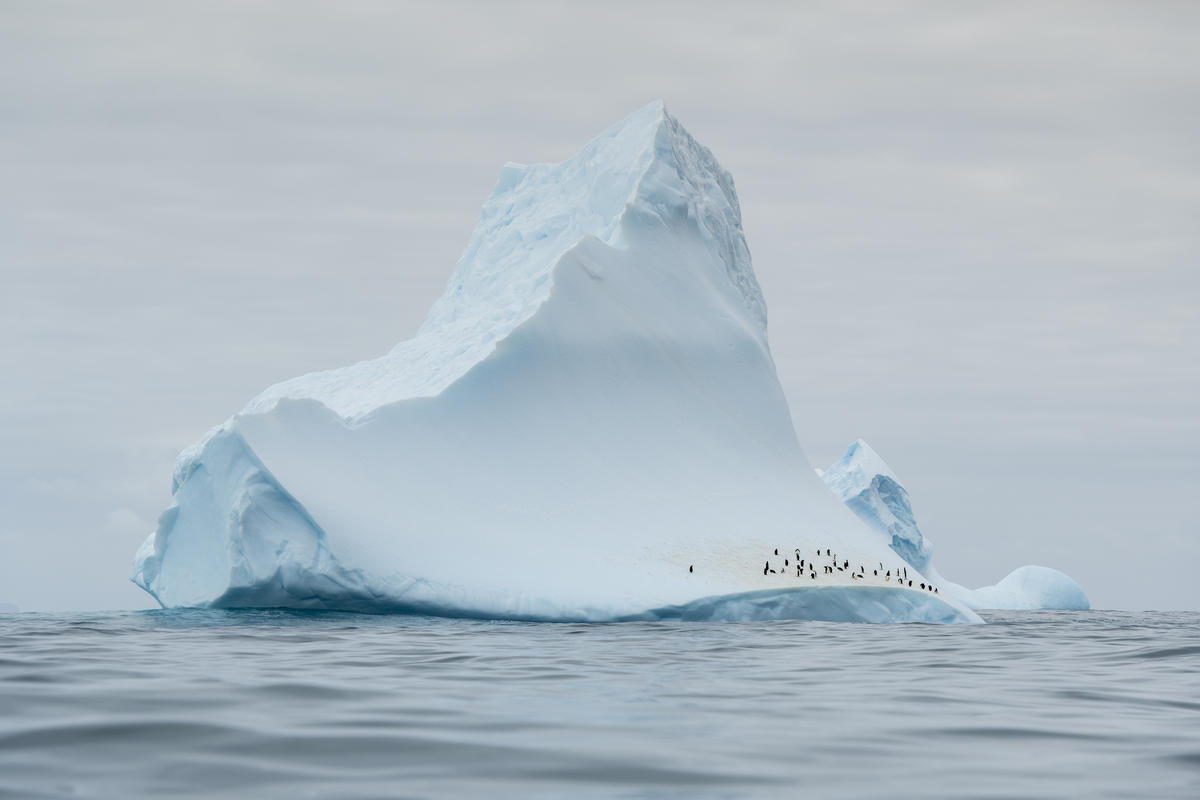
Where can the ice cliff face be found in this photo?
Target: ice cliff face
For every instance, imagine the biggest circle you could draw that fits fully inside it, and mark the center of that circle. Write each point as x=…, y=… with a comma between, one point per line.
x=870, y=489
x=587, y=426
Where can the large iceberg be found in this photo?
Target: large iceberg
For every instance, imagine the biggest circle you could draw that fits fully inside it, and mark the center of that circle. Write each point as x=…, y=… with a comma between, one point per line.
x=869, y=488
x=588, y=426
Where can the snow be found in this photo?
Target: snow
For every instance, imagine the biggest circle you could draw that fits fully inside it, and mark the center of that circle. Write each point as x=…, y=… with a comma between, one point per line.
x=869, y=488
x=588, y=426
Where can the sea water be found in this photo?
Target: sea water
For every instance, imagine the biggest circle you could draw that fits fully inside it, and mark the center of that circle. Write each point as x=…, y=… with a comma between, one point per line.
x=272, y=704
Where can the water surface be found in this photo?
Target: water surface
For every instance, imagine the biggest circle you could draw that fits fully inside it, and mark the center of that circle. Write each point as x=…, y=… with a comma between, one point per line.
x=280, y=704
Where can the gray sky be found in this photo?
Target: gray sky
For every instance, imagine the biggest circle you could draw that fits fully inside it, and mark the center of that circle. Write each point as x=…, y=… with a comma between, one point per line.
x=976, y=229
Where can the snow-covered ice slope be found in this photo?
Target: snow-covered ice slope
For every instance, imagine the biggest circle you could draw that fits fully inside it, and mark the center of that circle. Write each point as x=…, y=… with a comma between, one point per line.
x=869, y=488
x=588, y=426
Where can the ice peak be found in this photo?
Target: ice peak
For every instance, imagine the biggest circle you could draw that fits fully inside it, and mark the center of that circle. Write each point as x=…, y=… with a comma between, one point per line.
x=645, y=121
x=856, y=470
x=643, y=182
x=868, y=460
x=645, y=171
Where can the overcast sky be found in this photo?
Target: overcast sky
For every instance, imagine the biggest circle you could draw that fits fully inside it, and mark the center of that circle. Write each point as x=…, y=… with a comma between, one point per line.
x=977, y=230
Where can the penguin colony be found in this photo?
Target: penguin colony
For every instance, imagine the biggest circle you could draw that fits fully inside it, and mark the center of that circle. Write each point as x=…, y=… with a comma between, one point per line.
x=827, y=562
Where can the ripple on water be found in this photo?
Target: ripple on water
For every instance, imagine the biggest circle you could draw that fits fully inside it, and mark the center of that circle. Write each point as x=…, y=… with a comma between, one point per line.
x=280, y=704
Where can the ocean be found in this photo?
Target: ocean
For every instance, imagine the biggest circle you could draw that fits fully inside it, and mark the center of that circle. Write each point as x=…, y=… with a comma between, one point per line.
x=275, y=704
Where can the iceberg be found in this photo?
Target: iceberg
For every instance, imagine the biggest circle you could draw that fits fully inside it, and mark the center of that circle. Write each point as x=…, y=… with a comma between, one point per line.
x=869, y=488
x=587, y=426
x=1027, y=588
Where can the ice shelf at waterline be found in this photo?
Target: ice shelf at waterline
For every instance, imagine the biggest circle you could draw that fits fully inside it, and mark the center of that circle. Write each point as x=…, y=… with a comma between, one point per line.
x=588, y=426
x=870, y=489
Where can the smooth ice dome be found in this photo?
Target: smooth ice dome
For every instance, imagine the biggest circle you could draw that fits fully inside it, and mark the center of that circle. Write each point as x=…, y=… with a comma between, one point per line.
x=1030, y=588
x=588, y=426
x=869, y=488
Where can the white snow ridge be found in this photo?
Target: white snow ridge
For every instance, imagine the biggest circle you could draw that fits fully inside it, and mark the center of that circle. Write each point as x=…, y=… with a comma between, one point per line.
x=588, y=426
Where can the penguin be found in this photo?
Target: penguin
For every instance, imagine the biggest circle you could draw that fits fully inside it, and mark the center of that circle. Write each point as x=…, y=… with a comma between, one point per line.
x=889, y=575
x=876, y=572
x=690, y=568
x=766, y=567
x=910, y=583
x=846, y=565
x=785, y=562
x=773, y=572
x=802, y=563
x=826, y=551
x=812, y=575
x=922, y=586
x=906, y=573
x=776, y=551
